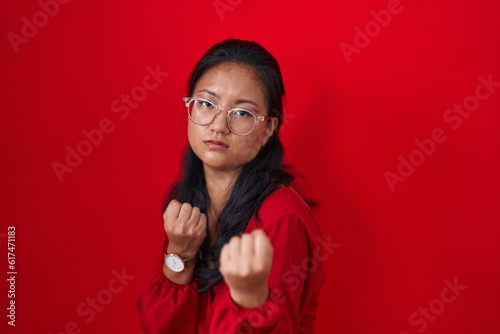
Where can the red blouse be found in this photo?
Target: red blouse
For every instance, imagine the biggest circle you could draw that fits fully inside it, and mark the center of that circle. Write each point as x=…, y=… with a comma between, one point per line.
x=294, y=283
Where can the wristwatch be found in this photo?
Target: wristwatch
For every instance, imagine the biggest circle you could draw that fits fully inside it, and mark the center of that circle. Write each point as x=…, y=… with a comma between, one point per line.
x=177, y=264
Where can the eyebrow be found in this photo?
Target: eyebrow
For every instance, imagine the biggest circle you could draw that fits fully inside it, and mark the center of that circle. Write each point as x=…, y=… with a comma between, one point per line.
x=209, y=92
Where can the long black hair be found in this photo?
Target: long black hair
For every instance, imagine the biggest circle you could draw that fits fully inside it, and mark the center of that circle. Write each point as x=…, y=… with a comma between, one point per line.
x=258, y=178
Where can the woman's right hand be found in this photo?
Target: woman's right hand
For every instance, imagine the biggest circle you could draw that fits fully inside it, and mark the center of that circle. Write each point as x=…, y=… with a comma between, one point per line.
x=185, y=226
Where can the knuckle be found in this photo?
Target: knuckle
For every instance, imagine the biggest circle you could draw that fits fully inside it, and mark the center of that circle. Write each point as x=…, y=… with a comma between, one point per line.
x=186, y=206
x=259, y=268
x=173, y=204
x=180, y=232
x=245, y=272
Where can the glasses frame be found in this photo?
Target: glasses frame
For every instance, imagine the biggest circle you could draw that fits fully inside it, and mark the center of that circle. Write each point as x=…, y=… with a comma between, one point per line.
x=258, y=118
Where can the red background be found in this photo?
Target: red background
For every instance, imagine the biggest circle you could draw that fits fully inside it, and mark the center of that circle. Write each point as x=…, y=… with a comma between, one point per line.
x=348, y=122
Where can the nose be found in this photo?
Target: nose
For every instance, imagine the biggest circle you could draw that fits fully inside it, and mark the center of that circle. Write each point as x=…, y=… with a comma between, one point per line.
x=219, y=124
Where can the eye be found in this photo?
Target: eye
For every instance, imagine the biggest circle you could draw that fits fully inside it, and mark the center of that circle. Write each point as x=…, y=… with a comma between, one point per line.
x=205, y=104
x=242, y=113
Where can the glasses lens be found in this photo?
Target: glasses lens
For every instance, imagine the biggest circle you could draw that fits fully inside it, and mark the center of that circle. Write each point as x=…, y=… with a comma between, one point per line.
x=201, y=112
x=241, y=121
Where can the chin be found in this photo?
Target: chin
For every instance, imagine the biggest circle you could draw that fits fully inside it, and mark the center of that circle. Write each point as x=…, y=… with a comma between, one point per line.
x=222, y=167
x=220, y=163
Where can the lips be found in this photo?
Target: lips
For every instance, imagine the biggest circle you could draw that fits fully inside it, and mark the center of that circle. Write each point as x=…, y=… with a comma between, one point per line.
x=217, y=144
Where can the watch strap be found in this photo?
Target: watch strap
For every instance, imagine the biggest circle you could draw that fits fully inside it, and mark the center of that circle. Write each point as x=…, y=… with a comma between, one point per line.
x=189, y=262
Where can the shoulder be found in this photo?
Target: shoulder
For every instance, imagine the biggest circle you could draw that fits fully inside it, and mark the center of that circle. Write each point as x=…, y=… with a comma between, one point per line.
x=282, y=206
x=282, y=202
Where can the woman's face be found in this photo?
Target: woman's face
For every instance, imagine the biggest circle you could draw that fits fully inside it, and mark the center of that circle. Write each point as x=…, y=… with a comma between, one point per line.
x=229, y=85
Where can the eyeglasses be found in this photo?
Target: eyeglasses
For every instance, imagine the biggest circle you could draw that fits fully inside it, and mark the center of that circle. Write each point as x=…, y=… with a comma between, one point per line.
x=240, y=121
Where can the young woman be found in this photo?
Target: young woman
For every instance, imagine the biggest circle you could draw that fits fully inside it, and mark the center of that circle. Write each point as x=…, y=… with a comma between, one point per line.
x=241, y=251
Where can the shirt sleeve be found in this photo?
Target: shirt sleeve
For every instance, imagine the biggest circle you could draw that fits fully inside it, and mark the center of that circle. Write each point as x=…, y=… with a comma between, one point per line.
x=293, y=284
x=166, y=307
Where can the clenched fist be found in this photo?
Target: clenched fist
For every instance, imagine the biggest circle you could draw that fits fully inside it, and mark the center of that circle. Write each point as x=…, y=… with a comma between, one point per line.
x=185, y=226
x=245, y=264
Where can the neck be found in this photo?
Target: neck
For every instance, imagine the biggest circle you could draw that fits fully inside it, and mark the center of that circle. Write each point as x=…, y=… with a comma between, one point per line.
x=219, y=186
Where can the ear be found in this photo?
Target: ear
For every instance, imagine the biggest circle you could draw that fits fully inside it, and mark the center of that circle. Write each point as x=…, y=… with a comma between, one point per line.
x=272, y=124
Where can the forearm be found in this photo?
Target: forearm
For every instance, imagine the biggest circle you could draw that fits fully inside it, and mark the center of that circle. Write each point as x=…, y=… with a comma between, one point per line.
x=185, y=276
x=250, y=299
x=182, y=278
x=164, y=306
x=267, y=318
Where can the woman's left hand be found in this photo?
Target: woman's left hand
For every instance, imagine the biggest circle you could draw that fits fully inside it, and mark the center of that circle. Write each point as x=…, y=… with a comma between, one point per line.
x=245, y=263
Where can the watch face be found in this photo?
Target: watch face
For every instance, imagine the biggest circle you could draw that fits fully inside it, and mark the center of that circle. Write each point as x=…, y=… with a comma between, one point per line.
x=174, y=263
